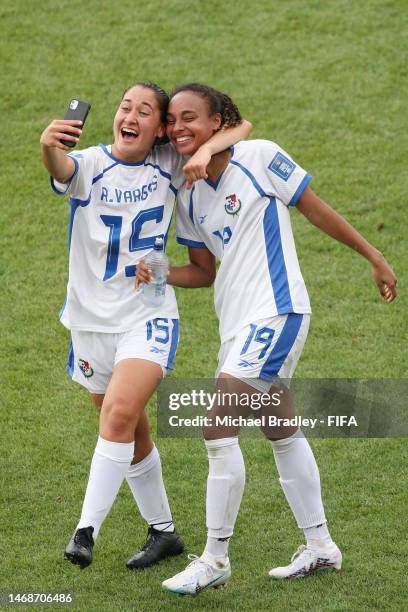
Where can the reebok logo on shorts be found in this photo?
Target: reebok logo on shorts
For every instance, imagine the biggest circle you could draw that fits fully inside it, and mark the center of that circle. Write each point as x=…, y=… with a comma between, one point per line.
x=85, y=368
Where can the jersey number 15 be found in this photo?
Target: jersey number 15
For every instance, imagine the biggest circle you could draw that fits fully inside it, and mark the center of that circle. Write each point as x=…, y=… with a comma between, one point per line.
x=114, y=222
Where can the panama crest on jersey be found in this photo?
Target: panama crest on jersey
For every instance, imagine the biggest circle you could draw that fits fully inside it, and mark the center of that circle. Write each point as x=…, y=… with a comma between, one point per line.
x=232, y=205
x=85, y=368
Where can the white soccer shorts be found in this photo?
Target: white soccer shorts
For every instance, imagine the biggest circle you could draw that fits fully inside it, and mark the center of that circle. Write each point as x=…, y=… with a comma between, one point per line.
x=93, y=355
x=265, y=350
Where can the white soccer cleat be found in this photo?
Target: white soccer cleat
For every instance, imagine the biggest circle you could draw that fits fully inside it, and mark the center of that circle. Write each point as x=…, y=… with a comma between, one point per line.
x=202, y=573
x=307, y=561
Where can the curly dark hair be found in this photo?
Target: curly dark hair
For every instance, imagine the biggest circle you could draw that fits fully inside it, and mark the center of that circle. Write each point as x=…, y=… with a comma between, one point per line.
x=218, y=102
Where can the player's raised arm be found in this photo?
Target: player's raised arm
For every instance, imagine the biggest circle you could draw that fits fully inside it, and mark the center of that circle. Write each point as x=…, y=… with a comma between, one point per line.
x=53, y=155
x=333, y=224
x=196, y=167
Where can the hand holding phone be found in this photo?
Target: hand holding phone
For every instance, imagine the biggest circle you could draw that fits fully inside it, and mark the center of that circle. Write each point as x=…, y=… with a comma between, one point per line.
x=78, y=110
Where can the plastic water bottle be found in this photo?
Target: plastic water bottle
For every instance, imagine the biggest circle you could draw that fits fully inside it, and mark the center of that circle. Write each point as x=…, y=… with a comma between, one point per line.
x=154, y=293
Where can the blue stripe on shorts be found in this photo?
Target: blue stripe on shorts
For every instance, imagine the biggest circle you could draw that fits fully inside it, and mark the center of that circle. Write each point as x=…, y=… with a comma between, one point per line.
x=174, y=344
x=282, y=347
x=71, y=360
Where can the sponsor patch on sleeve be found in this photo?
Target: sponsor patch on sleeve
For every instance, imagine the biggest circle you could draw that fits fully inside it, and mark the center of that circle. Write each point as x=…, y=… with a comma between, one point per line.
x=282, y=166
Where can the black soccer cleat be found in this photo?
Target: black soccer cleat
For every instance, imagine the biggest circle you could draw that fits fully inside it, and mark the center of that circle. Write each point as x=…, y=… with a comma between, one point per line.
x=79, y=549
x=159, y=545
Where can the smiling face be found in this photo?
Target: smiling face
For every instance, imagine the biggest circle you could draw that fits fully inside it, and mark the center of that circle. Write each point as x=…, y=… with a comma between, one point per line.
x=189, y=123
x=136, y=125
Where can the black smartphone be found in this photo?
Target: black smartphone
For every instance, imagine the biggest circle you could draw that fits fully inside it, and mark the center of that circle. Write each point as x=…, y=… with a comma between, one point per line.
x=77, y=109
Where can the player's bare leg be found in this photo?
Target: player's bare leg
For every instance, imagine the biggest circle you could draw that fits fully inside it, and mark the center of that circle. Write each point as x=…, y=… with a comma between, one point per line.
x=132, y=384
x=143, y=439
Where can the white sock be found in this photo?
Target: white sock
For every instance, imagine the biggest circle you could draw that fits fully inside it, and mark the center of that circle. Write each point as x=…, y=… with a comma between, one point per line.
x=145, y=480
x=217, y=547
x=318, y=536
x=300, y=480
x=109, y=465
x=225, y=486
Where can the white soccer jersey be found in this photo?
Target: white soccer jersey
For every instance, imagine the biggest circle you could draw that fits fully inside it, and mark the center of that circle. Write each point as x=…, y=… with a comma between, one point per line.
x=243, y=219
x=117, y=211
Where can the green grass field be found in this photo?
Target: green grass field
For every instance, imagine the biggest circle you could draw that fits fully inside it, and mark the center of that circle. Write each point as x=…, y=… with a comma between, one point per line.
x=327, y=81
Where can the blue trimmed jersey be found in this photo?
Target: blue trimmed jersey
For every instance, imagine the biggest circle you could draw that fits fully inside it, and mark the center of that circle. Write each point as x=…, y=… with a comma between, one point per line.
x=117, y=211
x=244, y=220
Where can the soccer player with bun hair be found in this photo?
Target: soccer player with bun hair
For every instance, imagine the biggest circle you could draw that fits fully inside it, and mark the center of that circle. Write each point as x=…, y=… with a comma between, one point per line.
x=218, y=103
x=122, y=198
x=240, y=215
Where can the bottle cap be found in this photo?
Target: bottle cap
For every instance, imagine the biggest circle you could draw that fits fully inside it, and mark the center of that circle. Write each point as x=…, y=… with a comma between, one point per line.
x=158, y=244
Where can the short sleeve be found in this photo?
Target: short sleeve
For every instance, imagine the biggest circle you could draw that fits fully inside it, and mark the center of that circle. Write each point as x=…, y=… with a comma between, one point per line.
x=186, y=232
x=283, y=177
x=170, y=161
x=80, y=184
